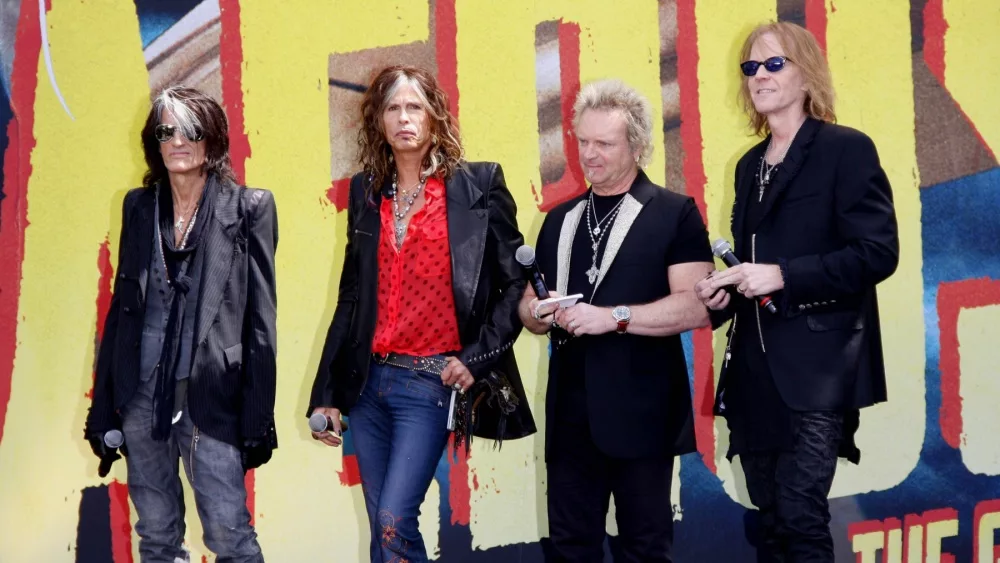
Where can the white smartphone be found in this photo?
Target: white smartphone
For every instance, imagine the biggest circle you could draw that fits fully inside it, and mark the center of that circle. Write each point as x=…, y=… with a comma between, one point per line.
x=558, y=302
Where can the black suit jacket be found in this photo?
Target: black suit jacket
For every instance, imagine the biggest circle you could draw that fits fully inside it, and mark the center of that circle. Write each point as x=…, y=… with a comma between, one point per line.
x=637, y=388
x=486, y=280
x=831, y=226
x=232, y=381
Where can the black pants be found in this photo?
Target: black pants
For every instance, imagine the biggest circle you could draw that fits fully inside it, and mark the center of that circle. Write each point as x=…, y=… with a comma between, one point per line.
x=790, y=491
x=578, y=495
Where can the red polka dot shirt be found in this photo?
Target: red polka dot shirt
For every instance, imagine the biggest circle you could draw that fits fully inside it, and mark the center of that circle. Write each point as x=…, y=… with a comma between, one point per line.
x=416, y=304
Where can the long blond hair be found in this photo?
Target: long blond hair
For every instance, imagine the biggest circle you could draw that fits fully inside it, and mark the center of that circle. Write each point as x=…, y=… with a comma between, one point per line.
x=802, y=49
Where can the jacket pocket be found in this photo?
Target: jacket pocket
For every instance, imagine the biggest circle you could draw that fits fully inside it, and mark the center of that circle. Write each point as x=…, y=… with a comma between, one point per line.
x=234, y=356
x=840, y=320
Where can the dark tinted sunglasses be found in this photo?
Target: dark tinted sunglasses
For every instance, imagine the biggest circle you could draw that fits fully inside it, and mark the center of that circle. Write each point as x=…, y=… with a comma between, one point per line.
x=772, y=64
x=164, y=133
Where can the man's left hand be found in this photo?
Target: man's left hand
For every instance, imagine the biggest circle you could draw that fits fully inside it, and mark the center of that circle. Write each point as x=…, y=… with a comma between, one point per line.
x=584, y=318
x=254, y=453
x=751, y=279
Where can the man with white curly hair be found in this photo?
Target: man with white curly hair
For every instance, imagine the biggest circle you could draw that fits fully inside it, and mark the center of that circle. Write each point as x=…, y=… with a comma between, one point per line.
x=618, y=406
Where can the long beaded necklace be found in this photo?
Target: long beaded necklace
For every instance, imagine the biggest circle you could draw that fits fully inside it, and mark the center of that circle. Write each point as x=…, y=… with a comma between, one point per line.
x=400, y=214
x=597, y=234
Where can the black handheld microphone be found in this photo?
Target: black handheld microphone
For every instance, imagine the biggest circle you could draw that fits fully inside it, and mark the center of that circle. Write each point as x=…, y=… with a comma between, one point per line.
x=721, y=249
x=525, y=256
x=113, y=439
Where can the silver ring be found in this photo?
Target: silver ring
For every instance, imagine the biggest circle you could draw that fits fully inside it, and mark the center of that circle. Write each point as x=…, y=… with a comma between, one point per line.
x=456, y=386
x=572, y=325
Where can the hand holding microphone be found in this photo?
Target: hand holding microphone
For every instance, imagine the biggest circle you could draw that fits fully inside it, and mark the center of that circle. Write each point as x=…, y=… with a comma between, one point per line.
x=525, y=256
x=326, y=426
x=105, y=446
x=751, y=280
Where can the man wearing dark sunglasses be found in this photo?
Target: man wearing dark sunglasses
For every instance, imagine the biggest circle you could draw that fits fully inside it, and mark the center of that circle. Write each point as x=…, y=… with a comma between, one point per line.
x=186, y=366
x=815, y=231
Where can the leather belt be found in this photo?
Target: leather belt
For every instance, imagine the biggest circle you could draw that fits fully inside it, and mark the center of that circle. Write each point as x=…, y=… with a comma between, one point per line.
x=432, y=365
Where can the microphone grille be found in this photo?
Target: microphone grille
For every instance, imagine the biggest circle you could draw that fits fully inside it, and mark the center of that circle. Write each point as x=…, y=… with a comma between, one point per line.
x=317, y=422
x=720, y=247
x=113, y=438
x=525, y=255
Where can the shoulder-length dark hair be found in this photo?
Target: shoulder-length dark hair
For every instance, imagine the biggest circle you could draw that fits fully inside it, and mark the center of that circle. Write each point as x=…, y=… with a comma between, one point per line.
x=195, y=112
x=374, y=152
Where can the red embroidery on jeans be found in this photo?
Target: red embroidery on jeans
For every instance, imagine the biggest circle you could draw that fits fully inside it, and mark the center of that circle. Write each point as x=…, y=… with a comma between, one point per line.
x=390, y=537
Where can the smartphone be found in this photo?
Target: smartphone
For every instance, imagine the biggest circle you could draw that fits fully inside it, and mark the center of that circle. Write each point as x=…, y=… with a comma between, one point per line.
x=552, y=303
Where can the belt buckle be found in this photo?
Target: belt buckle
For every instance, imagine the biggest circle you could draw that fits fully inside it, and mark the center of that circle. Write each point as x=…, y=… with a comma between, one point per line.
x=380, y=359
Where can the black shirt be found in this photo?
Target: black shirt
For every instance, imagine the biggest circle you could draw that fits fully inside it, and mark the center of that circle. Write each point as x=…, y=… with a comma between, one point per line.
x=759, y=420
x=570, y=429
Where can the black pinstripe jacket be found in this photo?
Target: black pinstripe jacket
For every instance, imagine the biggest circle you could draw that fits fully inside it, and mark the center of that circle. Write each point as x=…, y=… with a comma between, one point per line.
x=232, y=383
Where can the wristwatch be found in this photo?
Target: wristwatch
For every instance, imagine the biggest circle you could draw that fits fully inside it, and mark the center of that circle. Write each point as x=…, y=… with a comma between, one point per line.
x=623, y=315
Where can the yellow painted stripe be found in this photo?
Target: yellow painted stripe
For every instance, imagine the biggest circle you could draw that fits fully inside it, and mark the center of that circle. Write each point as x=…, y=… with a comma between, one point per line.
x=972, y=63
x=877, y=35
x=80, y=171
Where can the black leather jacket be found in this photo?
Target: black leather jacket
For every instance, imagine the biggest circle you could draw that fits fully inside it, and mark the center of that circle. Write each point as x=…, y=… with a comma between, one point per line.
x=487, y=283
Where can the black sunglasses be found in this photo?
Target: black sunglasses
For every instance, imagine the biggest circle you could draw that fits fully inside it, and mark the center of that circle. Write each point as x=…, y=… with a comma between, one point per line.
x=164, y=133
x=772, y=64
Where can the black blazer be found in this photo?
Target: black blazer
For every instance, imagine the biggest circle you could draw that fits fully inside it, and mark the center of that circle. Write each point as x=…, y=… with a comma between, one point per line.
x=486, y=280
x=637, y=389
x=232, y=380
x=831, y=227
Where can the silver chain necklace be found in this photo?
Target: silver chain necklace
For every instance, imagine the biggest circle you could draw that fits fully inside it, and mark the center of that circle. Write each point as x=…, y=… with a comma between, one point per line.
x=187, y=232
x=765, y=170
x=593, y=272
x=400, y=214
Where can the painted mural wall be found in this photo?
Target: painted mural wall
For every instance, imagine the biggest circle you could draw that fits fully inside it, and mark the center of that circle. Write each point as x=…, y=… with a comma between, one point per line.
x=919, y=76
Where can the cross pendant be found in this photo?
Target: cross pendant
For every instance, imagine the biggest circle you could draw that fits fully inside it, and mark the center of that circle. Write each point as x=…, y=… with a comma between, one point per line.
x=592, y=274
x=179, y=224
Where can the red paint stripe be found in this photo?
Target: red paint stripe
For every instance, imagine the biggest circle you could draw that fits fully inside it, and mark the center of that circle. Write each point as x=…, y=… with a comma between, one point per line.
x=14, y=206
x=445, y=44
x=816, y=21
x=935, y=28
x=982, y=509
x=572, y=183
x=694, y=180
x=121, y=526
x=459, y=493
x=351, y=475
x=231, y=61
x=339, y=192
x=909, y=522
x=103, y=298
x=445, y=39
x=952, y=297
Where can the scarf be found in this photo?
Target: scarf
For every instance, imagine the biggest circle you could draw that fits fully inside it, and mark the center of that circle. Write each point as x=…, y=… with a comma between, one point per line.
x=182, y=266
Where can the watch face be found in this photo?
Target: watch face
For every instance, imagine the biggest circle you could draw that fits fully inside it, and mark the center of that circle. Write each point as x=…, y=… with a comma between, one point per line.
x=621, y=313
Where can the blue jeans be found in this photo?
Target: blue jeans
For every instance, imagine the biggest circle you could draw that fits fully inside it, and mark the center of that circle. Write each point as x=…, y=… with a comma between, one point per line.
x=214, y=471
x=399, y=436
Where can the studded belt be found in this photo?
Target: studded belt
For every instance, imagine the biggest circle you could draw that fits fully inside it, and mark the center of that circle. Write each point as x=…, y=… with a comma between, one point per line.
x=431, y=365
